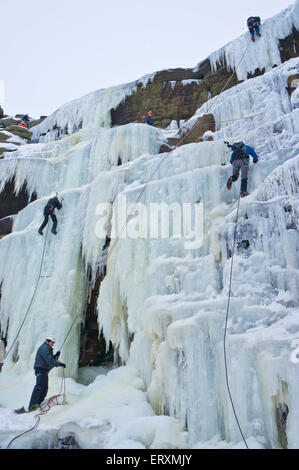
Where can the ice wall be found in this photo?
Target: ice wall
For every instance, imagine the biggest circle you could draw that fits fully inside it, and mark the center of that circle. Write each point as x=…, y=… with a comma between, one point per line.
x=163, y=306
x=177, y=315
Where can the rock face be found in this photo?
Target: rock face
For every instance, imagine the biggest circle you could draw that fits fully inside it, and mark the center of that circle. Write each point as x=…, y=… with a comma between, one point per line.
x=173, y=95
x=10, y=121
x=7, y=136
x=176, y=94
x=6, y=226
x=22, y=132
x=11, y=204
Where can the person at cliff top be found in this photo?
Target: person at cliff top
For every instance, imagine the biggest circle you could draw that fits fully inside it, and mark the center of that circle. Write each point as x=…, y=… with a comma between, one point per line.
x=148, y=119
x=26, y=119
x=49, y=209
x=240, y=161
x=45, y=360
x=143, y=118
x=22, y=124
x=253, y=24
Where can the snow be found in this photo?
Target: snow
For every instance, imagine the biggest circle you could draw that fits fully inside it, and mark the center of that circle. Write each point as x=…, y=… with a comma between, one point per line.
x=162, y=306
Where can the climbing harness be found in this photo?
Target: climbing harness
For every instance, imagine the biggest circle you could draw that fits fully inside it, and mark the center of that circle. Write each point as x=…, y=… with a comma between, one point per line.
x=45, y=407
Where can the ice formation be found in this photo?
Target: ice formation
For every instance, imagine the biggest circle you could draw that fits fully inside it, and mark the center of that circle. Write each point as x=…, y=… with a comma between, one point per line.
x=264, y=53
x=162, y=306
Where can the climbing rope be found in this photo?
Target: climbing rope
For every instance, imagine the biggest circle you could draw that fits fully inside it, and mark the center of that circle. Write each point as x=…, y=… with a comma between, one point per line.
x=44, y=408
x=226, y=320
x=31, y=301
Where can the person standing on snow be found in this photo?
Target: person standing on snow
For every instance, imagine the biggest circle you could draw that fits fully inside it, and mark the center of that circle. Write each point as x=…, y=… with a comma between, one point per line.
x=253, y=24
x=45, y=360
x=240, y=161
x=49, y=209
x=148, y=119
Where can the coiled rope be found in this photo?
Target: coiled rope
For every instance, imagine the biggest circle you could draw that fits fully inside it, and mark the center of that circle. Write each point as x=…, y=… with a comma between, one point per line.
x=44, y=408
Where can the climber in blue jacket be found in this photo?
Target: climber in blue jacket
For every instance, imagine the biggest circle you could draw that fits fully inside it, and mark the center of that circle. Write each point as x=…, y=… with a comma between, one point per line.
x=240, y=161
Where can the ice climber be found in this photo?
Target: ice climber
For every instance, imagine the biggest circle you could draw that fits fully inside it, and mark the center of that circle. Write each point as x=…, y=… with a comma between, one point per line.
x=253, y=24
x=49, y=209
x=45, y=360
x=148, y=119
x=240, y=161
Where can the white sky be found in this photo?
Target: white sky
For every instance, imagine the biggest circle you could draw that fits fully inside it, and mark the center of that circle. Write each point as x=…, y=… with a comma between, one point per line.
x=58, y=50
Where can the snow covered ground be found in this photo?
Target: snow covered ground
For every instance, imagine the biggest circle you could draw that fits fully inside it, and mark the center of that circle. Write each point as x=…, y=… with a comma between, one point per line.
x=162, y=306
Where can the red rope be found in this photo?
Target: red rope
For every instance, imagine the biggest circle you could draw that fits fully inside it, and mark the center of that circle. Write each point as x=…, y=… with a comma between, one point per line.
x=45, y=407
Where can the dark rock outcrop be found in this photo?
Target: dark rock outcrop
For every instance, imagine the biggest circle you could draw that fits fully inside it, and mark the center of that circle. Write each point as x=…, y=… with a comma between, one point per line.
x=11, y=204
x=169, y=98
x=10, y=125
x=9, y=121
x=203, y=124
x=22, y=132
x=6, y=225
x=289, y=47
x=292, y=83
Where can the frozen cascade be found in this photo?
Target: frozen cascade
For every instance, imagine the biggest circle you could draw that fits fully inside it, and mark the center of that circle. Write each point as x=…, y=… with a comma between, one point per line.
x=161, y=305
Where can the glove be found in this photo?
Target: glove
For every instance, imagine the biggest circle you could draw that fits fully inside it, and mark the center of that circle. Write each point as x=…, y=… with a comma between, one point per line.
x=255, y=161
x=56, y=356
x=62, y=365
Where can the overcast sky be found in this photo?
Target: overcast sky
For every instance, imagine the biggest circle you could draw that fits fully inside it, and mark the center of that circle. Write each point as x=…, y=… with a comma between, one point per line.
x=58, y=50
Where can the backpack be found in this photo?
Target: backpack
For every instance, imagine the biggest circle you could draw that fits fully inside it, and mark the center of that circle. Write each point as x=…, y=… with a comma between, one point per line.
x=240, y=152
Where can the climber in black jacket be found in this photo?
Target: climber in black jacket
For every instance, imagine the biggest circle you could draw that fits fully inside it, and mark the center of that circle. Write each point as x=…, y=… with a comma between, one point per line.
x=52, y=204
x=45, y=360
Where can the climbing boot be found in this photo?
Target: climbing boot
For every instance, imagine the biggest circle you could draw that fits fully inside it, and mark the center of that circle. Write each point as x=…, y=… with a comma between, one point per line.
x=54, y=231
x=252, y=38
x=229, y=183
x=20, y=411
x=244, y=193
x=259, y=35
x=34, y=407
x=40, y=231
